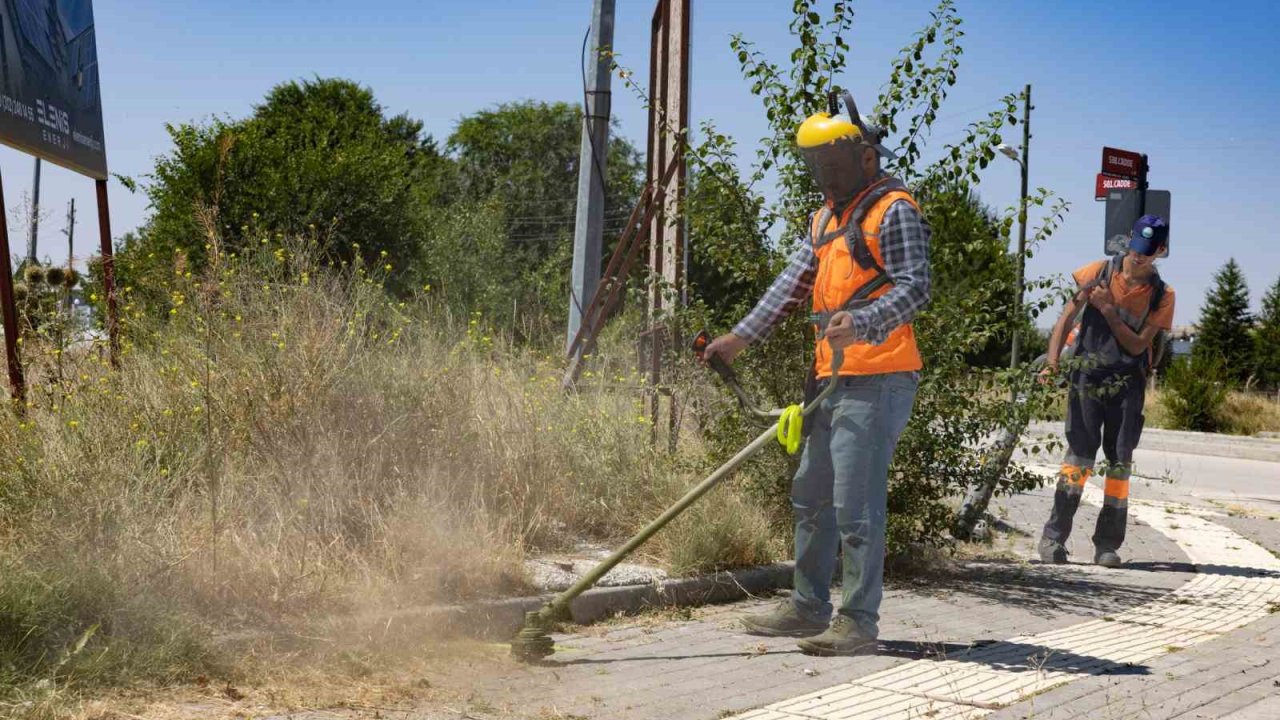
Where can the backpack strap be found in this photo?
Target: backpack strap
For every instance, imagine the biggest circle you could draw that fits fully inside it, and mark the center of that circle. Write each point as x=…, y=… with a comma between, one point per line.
x=1157, y=293
x=1108, y=271
x=1103, y=278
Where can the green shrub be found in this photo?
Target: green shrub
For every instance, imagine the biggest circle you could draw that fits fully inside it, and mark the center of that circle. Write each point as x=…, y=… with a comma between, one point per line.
x=1194, y=392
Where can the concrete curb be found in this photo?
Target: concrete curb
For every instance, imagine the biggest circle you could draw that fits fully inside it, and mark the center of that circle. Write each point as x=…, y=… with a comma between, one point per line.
x=501, y=619
x=1193, y=443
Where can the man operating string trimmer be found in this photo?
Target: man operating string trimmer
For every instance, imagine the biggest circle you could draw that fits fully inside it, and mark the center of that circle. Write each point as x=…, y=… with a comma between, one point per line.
x=865, y=263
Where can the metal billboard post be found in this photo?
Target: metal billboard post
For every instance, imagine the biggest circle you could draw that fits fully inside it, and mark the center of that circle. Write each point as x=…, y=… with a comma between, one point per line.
x=108, y=272
x=17, y=385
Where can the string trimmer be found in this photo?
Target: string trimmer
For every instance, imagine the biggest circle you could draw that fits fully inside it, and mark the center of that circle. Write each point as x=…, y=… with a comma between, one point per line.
x=784, y=425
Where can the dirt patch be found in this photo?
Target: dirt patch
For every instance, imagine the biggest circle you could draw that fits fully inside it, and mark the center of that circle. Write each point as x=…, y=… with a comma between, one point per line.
x=435, y=683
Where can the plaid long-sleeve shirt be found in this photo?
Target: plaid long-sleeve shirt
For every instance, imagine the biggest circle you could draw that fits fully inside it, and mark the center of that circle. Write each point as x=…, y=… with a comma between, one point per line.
x=904, y=247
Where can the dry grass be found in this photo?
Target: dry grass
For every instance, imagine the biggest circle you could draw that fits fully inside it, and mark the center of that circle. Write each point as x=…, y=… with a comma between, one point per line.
x=1238, y=510
x=283, y=444
x=1251, y=414
x=1240, y=414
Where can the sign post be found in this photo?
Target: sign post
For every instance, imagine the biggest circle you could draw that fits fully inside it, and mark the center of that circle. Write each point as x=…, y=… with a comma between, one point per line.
x=1142, y=187
x=1123, y=184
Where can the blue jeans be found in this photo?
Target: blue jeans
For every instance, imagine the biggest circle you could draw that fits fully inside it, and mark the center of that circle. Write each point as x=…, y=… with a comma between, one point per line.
x=840, y=493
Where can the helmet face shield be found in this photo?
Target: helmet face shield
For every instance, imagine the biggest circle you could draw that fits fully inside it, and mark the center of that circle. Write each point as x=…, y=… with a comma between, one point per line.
x=836, y=168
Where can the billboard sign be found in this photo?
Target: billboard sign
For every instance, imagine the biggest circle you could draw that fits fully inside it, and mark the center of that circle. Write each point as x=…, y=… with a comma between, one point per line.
x=50, y=104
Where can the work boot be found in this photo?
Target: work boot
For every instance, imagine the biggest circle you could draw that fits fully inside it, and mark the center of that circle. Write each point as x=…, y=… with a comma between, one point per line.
x=842, y=638
x=1108, y=559
x=782, y=621
x=1052, y=552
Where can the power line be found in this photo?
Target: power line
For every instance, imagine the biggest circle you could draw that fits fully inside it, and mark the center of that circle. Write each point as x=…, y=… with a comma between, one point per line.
x=536, y=238
x=958, y=113
x=543, y=218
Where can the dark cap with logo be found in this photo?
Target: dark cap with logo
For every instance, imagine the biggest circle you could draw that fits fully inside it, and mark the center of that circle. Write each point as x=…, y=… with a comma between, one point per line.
x=1150, y=233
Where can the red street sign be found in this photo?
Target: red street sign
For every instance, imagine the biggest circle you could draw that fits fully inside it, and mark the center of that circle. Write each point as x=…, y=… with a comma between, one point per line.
x=1106, y=183
x=1121, y=162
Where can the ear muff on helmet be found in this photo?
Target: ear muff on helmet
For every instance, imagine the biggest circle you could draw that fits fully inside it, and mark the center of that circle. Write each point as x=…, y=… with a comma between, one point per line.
x=872, y=134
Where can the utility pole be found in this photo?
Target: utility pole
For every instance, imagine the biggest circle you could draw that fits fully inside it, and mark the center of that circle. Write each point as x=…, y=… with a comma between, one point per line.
x=1022, y=227
x=71, y=243
x=71, y=232
x=979, y=496
x=589, y=226
x=35, y=214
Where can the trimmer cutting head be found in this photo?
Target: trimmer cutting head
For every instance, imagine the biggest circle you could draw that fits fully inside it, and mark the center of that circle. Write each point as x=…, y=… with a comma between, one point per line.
x=533, y=642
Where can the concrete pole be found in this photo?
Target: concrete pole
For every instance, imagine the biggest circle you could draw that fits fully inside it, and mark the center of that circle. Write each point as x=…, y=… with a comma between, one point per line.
x=589, y=227
x=71, y=232
x=35, y=214
x=71, y=248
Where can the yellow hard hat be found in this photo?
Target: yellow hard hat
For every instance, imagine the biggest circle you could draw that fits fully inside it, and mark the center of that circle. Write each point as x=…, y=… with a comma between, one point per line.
x=821, y=129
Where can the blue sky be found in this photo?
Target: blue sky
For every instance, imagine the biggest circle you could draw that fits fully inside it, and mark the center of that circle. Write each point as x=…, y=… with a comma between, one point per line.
x=1198, y=92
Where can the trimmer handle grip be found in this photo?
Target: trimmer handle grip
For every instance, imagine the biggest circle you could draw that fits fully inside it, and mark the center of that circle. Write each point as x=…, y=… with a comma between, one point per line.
x=700, y=343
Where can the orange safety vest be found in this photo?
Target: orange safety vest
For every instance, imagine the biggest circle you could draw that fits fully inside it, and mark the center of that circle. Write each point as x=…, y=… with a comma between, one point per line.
x=840, y=276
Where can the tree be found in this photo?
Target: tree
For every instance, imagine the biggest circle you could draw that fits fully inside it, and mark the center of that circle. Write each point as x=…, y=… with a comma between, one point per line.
x=517, y=164
x=524, y=155
x=731, y=258
x=1225, y=323
x=1266, y=340
x=959, y=407
x=983, y=268
x=318, y=159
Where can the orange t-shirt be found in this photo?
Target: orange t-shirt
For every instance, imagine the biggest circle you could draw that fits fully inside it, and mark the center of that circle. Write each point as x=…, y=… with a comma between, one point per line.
x=1134, y=298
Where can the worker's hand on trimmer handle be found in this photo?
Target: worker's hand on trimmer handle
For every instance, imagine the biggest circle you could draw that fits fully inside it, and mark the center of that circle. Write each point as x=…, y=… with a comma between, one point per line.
x=839, y=330
x=726, y=347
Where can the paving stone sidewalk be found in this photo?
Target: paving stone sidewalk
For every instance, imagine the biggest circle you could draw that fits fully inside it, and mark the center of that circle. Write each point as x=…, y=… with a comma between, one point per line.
x=705, y=667
x=699, y=665
x=1235, y=677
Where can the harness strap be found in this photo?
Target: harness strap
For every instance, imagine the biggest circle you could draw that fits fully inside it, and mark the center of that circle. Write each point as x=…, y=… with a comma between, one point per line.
x=859, y=249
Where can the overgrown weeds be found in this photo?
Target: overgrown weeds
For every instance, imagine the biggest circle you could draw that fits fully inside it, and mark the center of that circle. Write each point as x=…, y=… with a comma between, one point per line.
x=283, y=442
